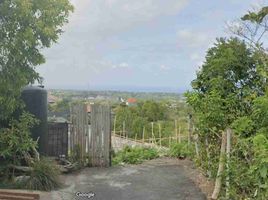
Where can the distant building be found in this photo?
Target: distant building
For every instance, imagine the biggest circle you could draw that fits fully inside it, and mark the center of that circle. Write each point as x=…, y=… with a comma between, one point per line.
x=52, y=99
x=131, y=102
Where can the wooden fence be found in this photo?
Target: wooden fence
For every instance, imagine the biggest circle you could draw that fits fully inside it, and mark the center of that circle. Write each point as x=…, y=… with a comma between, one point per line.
x=79, y=130
x=93, y=141
x=100, y=145
x=57, y=139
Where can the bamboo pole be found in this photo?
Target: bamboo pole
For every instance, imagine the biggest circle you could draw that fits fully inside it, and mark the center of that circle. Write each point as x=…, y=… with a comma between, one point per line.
x=196, y=145
x=179, y=134
x=143, y=132
x=160, y=134
x=114, y=123
x=228, y=150
x=218, y=182
x=208, y=158
x=153, y=137
x=124, y=129
x=189, y=129
x=176, y=131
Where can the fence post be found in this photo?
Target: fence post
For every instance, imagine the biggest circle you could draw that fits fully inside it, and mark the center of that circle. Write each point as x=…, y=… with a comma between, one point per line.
x=124, y=129
x=179, y=134
x=218, y=181
x=176, y=131
x=189, y=129
x=143, y=132
x=114, y=124
x=228, y=150
x=160, y=134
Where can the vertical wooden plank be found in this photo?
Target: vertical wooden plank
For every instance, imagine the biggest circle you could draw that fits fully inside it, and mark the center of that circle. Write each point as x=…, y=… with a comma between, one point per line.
x=101, y=135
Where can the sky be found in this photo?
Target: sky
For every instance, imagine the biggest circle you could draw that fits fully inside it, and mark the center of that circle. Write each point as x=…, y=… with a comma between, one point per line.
x=137, y=45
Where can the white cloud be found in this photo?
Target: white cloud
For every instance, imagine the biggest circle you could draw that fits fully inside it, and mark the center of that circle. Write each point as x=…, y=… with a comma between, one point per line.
x=107, y=17
x=195, y=57
x=165, y=68
x=123, y=65
x=191, y=38
x=82, y=52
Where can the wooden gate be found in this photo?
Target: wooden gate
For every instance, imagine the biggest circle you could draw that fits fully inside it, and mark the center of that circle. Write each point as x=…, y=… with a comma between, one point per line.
x=79, y=130
x=57, y=139
x=100, y=141
x=93, y=141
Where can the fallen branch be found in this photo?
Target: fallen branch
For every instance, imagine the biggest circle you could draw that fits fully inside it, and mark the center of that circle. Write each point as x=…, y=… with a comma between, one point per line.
x=21, y=168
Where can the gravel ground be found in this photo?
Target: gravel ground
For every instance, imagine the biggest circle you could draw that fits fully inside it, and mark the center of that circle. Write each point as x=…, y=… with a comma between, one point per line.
x=159, y=179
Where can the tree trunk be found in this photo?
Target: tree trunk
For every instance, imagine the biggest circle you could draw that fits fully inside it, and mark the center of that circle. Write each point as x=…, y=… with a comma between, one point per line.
x=218, y=181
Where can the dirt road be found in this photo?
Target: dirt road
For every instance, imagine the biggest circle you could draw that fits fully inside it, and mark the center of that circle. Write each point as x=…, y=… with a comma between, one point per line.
x=160, y=179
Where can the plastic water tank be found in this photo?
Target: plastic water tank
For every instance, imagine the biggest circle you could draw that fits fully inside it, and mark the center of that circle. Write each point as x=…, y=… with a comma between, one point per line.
x=35, y=99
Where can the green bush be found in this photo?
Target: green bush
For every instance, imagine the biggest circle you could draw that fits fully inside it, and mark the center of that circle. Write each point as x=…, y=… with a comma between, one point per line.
x=45, y=177
x=180, y=150
x=134, y=155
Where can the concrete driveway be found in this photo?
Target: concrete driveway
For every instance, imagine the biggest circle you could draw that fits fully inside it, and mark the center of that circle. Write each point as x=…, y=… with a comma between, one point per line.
x=160, y=179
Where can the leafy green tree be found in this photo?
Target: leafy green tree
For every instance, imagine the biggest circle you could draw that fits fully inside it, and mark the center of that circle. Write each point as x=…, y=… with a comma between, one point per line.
x=26, y=27
x=226, y=85
x=153, y=111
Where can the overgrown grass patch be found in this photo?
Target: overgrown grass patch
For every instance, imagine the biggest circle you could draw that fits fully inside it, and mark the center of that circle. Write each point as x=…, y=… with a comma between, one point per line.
x=134, y=155
x=44, y=176
x=180, y=150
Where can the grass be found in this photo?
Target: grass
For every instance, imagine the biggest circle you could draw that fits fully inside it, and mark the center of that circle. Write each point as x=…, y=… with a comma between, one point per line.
x=45, y=177
x=135, y=155
x=180, y=150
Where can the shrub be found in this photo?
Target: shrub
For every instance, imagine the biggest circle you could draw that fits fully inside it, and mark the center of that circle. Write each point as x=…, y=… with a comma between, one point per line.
x=45, y=176
x=180, y=150
x=134, y=155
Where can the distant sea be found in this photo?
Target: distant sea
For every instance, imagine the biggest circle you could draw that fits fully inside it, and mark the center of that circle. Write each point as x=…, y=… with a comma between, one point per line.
x=122, y=88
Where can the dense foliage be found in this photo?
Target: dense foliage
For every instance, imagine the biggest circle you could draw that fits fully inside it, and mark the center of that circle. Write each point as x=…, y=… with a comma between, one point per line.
x=230, y=92
x=26, y=27
x=137, y=119
x=135, y=155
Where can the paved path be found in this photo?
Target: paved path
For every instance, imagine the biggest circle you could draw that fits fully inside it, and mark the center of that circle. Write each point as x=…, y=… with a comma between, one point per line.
x=160, y=179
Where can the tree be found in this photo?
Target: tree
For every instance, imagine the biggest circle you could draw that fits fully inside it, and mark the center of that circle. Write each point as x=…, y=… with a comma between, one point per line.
x=253, y=28
x=226, y=85
x=26, y=27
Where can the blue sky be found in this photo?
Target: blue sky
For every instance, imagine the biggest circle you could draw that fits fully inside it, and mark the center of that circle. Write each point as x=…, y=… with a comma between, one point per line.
x=128, y=44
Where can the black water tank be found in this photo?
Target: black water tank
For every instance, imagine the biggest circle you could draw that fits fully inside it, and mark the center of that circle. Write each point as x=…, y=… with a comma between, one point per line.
x=35, y=99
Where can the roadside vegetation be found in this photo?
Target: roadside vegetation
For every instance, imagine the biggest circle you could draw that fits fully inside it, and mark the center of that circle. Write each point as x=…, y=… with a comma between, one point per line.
x=230, y=103
x=134, y=155
x=20, y=47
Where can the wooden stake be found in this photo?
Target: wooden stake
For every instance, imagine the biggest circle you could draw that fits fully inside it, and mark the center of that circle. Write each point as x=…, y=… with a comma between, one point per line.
x=114, y=123
x=208, y=158
x=160, y=135
x=196, y=145
x=169, y=141
x=153, y=138
x=143, y=132
x=179, y=134
x=124, y=129
x=189, y=129
x=176, y=131
x=218, y=182
x=228, y=150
